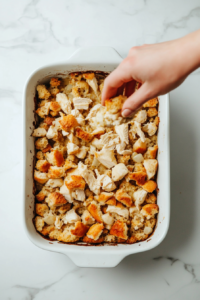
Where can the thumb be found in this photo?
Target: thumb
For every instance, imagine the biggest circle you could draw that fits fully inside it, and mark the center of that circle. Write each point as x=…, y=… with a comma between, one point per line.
x=136, y=100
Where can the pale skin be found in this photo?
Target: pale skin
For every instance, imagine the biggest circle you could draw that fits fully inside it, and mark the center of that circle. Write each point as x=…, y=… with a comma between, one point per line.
x=160, y=68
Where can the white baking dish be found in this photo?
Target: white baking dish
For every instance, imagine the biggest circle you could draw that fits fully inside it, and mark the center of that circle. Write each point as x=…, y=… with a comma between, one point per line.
x=102, y=59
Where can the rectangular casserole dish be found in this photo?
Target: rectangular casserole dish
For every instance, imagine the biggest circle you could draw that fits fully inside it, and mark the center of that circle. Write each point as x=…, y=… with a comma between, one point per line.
x=97, y=59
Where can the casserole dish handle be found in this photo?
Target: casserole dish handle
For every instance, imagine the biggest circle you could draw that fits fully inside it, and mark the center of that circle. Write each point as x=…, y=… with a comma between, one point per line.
x=90, y=55
x=92, y=259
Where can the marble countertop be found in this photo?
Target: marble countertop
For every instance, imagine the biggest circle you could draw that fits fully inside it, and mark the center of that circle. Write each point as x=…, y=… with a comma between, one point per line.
x=37, y=32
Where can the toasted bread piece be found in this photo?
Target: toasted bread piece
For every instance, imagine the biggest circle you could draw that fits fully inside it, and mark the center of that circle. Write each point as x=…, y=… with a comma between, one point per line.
x=41, y=143
x=114, y=105
x=85, y=136
x=139, y=177
x=139, y=146
x=56, y=199
x=95, y=211
x=75, y=182
x=55, y=82
x=41, y=209
x=151, y=199
x=80, y=229
x=119, y=229
x=151, y=103
x=68, y=122
x=55, y=106
x=149, y=210
x=69, y=165
x=42, y=166
x=151, y=166
x=152, y=112
x=67, y=237
x=43, y=93
x=39, y=223
x=95, y=231
x=150, y=186
x=56, y=172
x=40, y=177
x=88, y=75
x=47, y=148
x=39, y=132
x=87, y=240
x=151, y=152
x=123, y=197
x=39, y=155
x=55, y=157
x=49, y=120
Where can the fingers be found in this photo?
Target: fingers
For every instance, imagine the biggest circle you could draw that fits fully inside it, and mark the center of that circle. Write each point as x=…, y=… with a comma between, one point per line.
x=115, y=80
x=136, y=100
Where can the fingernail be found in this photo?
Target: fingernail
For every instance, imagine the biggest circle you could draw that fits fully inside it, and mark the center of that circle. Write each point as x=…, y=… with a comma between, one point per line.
x=126, y=112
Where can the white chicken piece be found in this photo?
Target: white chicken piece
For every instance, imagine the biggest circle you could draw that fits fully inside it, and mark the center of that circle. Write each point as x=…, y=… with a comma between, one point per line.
x=81, y=103
x=124, y=212
x=106, y=157
x=110, y=140
x=141, y=116
x=73, y=139
x=150, y=128
x=53, y=183
x=138, y=158
x=139, y=197
x=66, y=193
x=137, y=129
x=65, y=133
x=137, y=218
x=93, y=83
x=98, y=119
x=87, y=218
x=99, y=130
x=108, y=137
x=56, y=122
x=105, y=195
x=52, y=132
x=64, y=102
x=106, y=182
x=49, y=218
x=113, y=119
x=147, y=230
x=151, y=166
x=93, y=111
x=95, y=162
x=89, y=177
x=79, y=117
x=122, y=131
x=82, y=152
x=71, y=217
x=92, y=150
x=97, y=143
x=39, y=132
x=72, y=148
x=108, y=219
x=119, y=171
x=79, y=195
x=58, y=222
x=121, y=149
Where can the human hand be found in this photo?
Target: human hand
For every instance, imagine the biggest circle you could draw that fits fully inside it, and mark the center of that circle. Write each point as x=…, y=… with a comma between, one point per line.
x=160, y=68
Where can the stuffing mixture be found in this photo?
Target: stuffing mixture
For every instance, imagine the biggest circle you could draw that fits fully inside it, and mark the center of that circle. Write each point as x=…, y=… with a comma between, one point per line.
x=95, y=171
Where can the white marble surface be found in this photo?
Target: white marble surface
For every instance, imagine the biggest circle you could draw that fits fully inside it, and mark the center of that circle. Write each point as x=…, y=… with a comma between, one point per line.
x=33, y=33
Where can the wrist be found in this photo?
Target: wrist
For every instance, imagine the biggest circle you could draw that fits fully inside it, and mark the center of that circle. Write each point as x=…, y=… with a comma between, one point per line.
x=189, y=53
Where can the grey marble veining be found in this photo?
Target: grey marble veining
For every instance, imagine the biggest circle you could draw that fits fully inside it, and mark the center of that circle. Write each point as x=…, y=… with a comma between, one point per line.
x=38, y=32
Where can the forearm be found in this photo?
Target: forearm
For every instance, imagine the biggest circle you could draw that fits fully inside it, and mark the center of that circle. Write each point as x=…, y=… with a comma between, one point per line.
x=188, y=53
